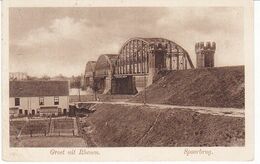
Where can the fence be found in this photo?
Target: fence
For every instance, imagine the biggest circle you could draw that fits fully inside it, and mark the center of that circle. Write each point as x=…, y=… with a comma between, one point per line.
x=44, y=127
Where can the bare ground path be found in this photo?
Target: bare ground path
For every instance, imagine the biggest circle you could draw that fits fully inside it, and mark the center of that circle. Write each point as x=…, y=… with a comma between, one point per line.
x=232, y=112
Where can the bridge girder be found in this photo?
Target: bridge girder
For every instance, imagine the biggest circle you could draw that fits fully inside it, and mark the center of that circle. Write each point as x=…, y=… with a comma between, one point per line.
x=135, y=55
x=105, y=65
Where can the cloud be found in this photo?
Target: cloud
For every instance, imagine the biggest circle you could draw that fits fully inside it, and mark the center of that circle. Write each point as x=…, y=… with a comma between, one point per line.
x=64, y=39
x=221, y=25
x=60, y=29
x=204, y=20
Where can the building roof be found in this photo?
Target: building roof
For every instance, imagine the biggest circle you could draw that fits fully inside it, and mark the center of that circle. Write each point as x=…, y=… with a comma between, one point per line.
x=38, y=88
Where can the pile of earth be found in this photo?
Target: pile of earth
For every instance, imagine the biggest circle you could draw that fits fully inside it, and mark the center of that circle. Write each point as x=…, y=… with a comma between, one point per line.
x=114, y=125
x=209, y=87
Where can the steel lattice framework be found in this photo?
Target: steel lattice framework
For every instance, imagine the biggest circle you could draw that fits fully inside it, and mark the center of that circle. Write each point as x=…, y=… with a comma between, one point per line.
x=105, y=65
x=90, y=69
x=135, y=56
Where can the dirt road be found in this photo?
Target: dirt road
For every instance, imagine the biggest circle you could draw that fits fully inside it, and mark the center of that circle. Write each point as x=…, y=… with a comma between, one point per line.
x=232, y=112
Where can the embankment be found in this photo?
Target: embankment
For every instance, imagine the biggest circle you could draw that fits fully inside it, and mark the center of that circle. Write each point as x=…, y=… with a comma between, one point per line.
x=125, y=125
x=209, y=87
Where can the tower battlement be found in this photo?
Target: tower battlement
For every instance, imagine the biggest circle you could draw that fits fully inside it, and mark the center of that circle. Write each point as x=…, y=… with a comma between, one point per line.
x=208, y=46
x=205, y=54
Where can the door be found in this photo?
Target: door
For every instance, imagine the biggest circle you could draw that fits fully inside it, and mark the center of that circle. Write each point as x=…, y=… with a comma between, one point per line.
x=26, y=112
x=33, y=112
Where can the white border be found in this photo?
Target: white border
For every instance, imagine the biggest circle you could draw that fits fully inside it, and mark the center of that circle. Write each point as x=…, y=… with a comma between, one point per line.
x=134, y=154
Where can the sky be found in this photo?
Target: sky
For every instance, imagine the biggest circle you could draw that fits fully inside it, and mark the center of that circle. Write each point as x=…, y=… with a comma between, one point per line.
x=53, y=41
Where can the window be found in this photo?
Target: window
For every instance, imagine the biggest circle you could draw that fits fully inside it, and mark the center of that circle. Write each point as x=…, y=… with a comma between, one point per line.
x=56, y=100
x=17, y=101
x=41, y=100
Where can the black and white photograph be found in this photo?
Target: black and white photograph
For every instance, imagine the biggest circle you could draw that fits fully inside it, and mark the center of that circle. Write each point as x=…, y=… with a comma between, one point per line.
x=128, y=77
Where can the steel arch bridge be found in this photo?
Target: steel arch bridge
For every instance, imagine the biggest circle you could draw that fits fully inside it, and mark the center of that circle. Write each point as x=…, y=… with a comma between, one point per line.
x=140, y=56
x=135, y=65
x=89, y=74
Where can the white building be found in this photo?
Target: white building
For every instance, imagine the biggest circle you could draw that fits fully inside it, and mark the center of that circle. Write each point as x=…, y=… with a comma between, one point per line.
x=38, y=97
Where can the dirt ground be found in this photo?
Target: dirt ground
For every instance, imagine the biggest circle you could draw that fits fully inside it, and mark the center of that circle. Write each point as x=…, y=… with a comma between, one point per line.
x=47, y=142
x=118, y=125
x=209, y=87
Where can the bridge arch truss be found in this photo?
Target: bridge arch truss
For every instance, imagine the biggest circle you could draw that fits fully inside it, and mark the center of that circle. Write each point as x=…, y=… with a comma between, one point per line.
x=138, y=55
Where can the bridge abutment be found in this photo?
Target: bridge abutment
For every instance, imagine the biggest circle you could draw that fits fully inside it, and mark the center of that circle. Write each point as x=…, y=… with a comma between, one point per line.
x=124, y=85
x=108, y=83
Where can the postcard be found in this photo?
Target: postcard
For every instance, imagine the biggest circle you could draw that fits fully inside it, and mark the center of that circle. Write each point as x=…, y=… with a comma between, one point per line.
x=127, y=80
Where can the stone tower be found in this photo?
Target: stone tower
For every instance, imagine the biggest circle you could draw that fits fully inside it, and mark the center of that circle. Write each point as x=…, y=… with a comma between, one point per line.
x=205, y=54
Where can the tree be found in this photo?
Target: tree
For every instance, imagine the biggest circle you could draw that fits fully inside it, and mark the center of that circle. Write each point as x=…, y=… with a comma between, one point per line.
x=76, y=83
x=45, y=77
x=32, y=78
